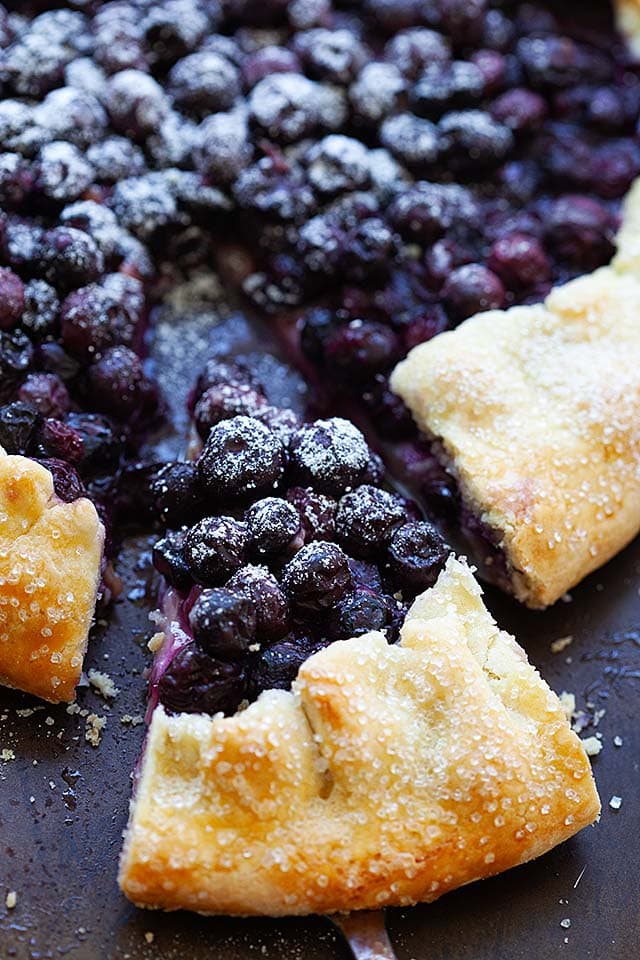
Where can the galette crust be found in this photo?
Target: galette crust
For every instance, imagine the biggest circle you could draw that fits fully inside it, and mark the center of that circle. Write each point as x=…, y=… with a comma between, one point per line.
x=536, y=411
x=50, y=554
x=389, y=775
x=628, y=21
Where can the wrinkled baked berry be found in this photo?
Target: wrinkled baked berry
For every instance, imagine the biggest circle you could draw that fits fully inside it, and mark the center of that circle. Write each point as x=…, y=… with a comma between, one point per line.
x=56, y=439
x=328, y=455
x=66, y=480
x=102, y=444
x=204, y=83
x=366, y=520
x=18, y=423
x=222, y=401
x=360, y=349
x=360, y=613
x=274, y=530
x=416, y=555
x=317, y=577
x=170, y=561
x=316, y=511
x=117, y=385
x=214, y=549
x=16, y=354
x=194, y=682
x=269, y=602
x=277, y=666
x=41, y=307
x=520, y=261
x=12, y=300
x=223, y=623
x=46, y=393
x=241, y=457
x=175, y=492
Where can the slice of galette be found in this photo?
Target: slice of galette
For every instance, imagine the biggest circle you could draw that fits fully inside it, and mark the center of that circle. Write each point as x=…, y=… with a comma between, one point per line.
x=389, y=775
x=534, y=412
x=50, y=565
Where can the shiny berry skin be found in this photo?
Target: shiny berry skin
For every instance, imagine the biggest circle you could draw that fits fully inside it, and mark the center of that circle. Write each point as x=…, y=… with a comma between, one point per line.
x=241, y=458
x=222, y=401
x=523, y=111
x=223, y=623
x=56, y=439
x=472, y=289
x=317, y=577
x=366, y=520
x=175, y=492
x=215, y=548
x=277, y=666
x=274, y=530
x=360, y=349
x=46, y=393
x=316, y=511
x=102, y=444
x=11, y=298
x=194, y=682
x=16, y=355
x=66, y=481
x=416, y=555
x=118, y=385
x=579, y=229
x=18, y=424
x=170, y=561
x=520, y=261
x=269, y=602
x=360, y=613
x=328, y=455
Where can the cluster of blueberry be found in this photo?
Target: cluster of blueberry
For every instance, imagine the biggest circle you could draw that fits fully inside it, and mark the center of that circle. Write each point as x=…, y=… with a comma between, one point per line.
x=305, y=546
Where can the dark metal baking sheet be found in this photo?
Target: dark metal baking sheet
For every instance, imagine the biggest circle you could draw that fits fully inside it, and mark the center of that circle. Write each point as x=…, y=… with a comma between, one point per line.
x=63, y=802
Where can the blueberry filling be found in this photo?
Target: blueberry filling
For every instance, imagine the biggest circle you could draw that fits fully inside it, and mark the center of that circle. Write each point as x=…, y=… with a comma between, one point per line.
x=286, y=569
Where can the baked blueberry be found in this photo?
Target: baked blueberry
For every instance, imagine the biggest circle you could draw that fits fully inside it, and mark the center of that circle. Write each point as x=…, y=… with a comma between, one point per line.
x=16, y=354
x=215, y=548
x=223, y=623
x=316, y=511
x=12, y=299
x=176, y=494
x=317, y=577
x=366, y=520
x=223, y=401
x=277, y=666
x=194, y=682
x=18, y=423
x=416, y=555
x=241, y=458
x=274, y=530
x=328, y=455
x=360, y=613
x=46, y=393
x=267, y=598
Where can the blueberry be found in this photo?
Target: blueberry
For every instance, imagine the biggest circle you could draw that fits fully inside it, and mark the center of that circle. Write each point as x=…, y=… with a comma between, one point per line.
x=46, y=393
x=22, y=246
x=366, y=520
x=338, y=163
x=214, y=549
x=136, y=103
x=174, y=28
x=102, y=315
x=220, y=372
x=275, y=192
x=71, y=258
x=223, y=401
x=62, y=172
x=16, y=180
x=520, y=261
x=317, y=577
x=472, y=139
x=34, y=64
x=377, y=92
x=288, y=107
x=73, y=115
x=58, y=440
x=223, y=623
x=53, y=359
x=283, y=422
x=175, y=492
x=66, y=481
x=425, y=211
x=277, y=666
x=414, y=50
x=416, y=555
x=523, y=111
x=268, y=60
x=18, y=423
x=269, y=602
x=447, y=86
x=413, y=140
x=472, y=289
x=204, y=83
x=304, y=14
x=332, y=55
x=222, y=147
x=463, y=20
x=241, y=457
x=11, y=298
x=360, y=349
x=118, y=386
x=580, y=231
x=550, y=62
x=316, y=511
x=194, y=682
x=274, y=530
x=329, y=455
x=169, y=560
x=41, y=307
x=102, y=444
x=115, y=158
x=358, y=614
x=16, y=355
x=144, y=204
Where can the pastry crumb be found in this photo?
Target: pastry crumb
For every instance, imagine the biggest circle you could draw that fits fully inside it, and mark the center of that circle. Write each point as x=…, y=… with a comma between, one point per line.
x=592, y=746
x=156, y=642
x=568, y=703
x=618, y=741
x=616, y=802
x=566, y=923
x=133, y=721
x=11, y=899
x=561, y=644
x=95, y=726
x=7, y=754
x=103, y=683
x=149, y=936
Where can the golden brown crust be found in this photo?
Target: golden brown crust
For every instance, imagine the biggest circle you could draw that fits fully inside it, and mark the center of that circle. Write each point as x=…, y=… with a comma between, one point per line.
x=50, y=555
x=536, y=411
x=390, y=775
x=628, y=21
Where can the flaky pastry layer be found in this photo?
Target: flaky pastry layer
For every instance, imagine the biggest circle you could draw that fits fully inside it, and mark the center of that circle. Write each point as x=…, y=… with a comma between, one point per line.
x=389, y=775
x=50, y=555
x=536, y=411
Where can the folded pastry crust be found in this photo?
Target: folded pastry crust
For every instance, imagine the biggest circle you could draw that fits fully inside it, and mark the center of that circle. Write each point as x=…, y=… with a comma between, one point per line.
x=389, y=775
x=628, y=20
x=536, y=411
x=50, y=554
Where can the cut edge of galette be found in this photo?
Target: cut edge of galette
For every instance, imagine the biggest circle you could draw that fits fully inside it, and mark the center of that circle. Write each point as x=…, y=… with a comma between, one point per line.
x=389, y=775
x=533, y=411
x=50, y=565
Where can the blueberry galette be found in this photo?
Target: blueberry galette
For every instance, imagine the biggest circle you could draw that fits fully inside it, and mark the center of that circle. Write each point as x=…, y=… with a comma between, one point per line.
x=388, y=775
x=50, y=566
